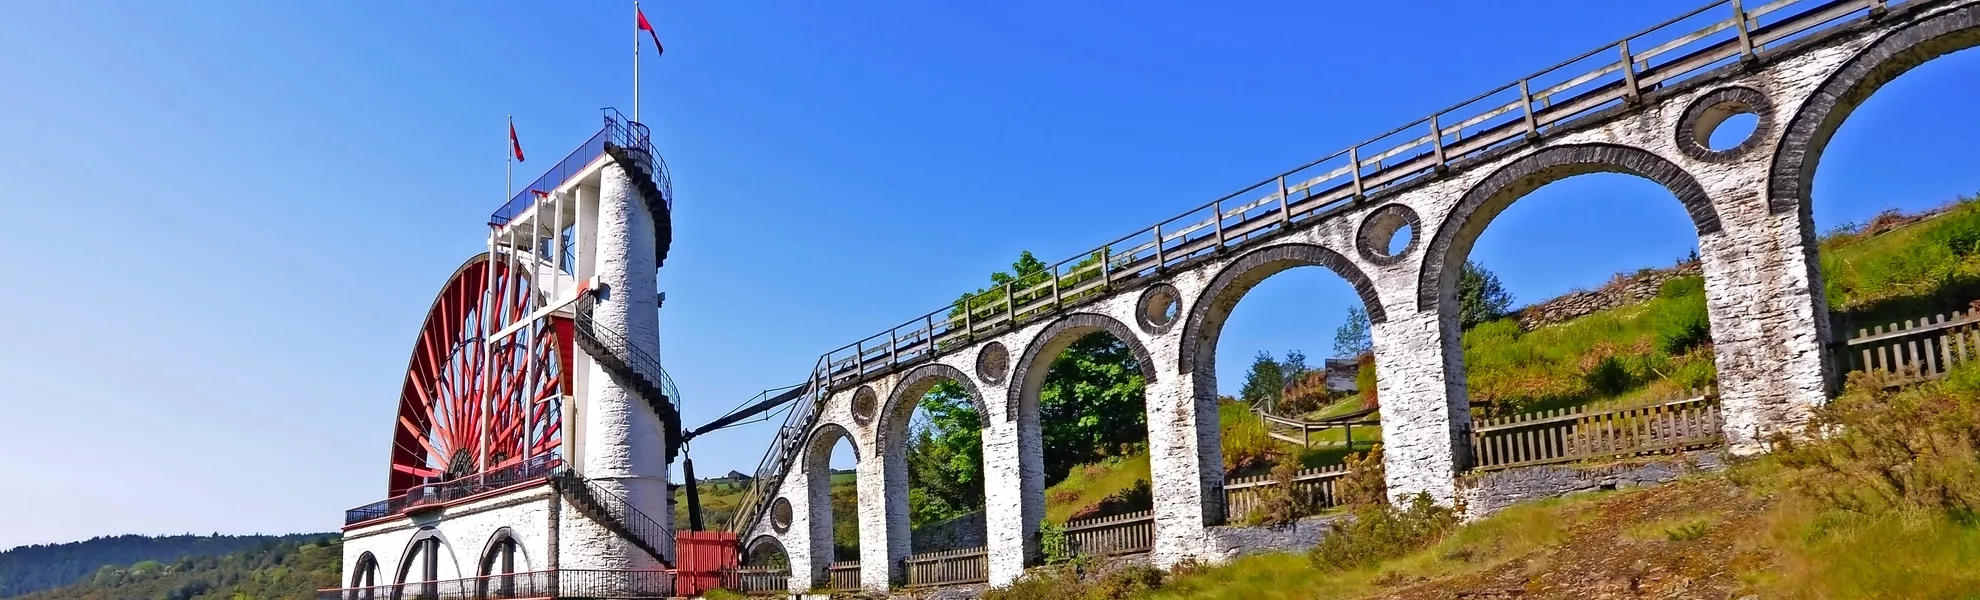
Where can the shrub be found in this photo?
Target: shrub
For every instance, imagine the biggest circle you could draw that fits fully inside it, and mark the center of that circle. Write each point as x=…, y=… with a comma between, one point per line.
x=1378, y=533
x=1366, y=482
x=1247, y=445
x=1282, y=502
x=1126, y=582
x=1680, y=318
x=1886, y=450
x=1364, y=381
x=1959, y=230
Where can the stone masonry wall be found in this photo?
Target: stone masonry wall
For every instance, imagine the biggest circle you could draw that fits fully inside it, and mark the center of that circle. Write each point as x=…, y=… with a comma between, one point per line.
x=967, y=531
x=1627, y=291
x=1487, y=493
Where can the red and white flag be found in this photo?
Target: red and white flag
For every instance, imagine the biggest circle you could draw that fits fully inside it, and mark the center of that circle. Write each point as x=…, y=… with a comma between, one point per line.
x=515, y=147
x=648, y=28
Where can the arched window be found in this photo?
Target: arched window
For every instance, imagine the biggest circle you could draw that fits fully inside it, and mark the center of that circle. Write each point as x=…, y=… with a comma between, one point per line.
x=419, y=571
x=498, y=566
x=364, y=578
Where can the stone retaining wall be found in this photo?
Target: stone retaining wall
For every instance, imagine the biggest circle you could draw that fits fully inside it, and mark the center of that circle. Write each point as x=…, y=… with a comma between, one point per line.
x=1486, y=493
x=1633, y=289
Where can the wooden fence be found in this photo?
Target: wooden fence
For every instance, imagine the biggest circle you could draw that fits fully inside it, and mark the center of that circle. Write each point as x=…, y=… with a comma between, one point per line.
x=761, y=580
x=1316, y=485
x=1121, y=534
x=1295, y=431
x=1915, y=350
x=1572, y=434
x=948, y=567
x=842, y=576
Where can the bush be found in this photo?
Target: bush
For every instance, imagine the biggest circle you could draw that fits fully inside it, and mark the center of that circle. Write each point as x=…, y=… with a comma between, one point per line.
x=1886, y=450
x=1280, y=503
x=1378, y=533
x=1071, y=583
x=1680, y=317
x=1959, y=230
x=1366, y=483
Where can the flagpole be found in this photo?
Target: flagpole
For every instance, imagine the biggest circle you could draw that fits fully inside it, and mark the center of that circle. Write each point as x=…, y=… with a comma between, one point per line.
x=509, y=163
x=635, y=64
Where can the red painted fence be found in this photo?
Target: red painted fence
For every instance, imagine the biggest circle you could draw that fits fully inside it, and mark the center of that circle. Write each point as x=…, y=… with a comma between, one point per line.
x=702, y=559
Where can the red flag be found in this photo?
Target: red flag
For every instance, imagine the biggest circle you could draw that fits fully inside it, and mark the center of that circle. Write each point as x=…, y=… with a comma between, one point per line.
x=648, y=28
x=514, y=146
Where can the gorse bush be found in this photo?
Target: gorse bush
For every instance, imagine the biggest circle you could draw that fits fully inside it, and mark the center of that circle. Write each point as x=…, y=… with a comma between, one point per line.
x=1875, y=450
x=1366, y=482
x=1377, y=533
x=1282, y=502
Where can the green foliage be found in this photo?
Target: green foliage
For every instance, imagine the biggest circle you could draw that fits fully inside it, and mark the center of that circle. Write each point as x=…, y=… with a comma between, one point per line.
x=1088, y=486
x=1377, y=533
x=1480, y=296
x=1054, y=542
x=1615, y=354
x=1247, y=445
x=1263, y=382
x=1282, y=502
x=1353, y=338
x=1683, y=325
x=284, y=567
x=1366, y=482
x=1090, y=406
x=1912, y=449
x=46, y=566
x=1901, y=266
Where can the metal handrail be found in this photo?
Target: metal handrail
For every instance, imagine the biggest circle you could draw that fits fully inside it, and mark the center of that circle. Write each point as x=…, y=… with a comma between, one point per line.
x=644, y=529
x=617, y=131
x=1677, y=50
x=441, y=492
x=636, y=359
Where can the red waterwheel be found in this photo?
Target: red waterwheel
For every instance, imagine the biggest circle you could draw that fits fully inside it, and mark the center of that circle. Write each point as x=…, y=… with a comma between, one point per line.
x=455, y=379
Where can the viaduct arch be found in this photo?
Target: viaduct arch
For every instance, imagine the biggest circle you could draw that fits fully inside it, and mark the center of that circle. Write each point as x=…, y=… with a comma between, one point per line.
x=1749, y=204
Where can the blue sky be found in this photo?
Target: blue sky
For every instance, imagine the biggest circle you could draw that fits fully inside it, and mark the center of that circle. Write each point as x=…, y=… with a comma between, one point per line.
x=231, y=216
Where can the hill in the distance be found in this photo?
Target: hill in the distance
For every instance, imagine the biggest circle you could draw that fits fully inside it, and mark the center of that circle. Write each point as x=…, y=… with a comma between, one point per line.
x=38, y=567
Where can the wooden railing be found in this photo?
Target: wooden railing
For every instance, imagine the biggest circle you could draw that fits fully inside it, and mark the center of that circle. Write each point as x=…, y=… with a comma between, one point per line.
x=1295, y=431
x=761, y=580
x=1572, y=434
x=1107, y=536
x=1573, y=93
x=948, y=567
x=1915, y=350
x=1316, y=485
x=842, y=576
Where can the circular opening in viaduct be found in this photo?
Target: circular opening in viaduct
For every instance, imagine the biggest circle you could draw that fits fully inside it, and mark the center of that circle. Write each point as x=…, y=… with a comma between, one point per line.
x=993, y=362
x=1724, y=124
x=780, y=515
x=1388, y=234
x=865, y=404
x=1161, y=307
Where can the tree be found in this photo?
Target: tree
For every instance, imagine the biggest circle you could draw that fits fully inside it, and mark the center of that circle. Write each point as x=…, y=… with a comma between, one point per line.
x=1264, y=382
x=1481, y=297
x=1090, y=405
x=1353, y=338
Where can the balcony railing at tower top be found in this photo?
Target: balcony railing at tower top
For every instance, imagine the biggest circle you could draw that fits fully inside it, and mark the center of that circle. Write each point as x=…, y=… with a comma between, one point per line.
x=1679, y=51
x=617, y=131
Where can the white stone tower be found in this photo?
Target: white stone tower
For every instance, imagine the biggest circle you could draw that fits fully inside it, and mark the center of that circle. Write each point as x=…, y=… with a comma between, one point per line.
x=535, y=430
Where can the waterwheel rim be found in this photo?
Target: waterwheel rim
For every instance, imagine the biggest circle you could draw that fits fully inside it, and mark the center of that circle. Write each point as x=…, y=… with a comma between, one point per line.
x=456, y=382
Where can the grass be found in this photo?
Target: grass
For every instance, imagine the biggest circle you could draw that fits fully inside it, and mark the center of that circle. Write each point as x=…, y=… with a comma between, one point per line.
x=1288, y=576
x=1087, y=485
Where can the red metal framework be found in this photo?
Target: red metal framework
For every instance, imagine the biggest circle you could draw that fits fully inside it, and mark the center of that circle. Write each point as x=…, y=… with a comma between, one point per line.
x=461, y=388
